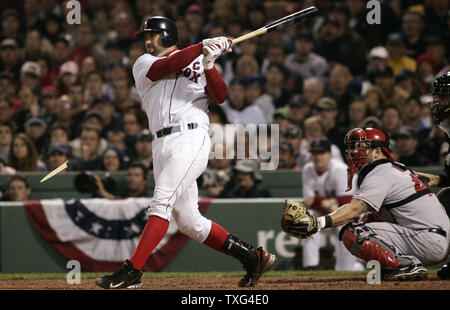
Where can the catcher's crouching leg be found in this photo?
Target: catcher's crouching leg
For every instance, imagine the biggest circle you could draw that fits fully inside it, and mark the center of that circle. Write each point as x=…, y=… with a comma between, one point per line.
x=366, y=246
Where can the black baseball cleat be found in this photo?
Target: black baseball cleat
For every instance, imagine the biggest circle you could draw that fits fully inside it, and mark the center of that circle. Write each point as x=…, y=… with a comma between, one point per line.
x=444, y=272
x=126, y=277
x=260, y=263
x=411, y=272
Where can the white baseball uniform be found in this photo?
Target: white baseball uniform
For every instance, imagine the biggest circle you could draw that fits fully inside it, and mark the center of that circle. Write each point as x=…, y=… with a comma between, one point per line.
x=330, y=184
x=179, y=158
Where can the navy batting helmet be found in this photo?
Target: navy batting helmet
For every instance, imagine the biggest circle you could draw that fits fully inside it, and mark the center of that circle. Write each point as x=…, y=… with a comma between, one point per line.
x=164, y=25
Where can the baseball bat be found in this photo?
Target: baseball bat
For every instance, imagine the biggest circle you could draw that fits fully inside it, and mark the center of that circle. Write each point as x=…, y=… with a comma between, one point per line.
x=279, y=24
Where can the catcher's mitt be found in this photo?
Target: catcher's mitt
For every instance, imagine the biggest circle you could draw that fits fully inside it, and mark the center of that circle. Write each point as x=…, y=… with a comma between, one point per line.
x=296, y=220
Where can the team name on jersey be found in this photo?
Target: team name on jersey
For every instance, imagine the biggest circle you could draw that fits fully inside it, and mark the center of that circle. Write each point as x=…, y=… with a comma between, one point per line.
x=191, y=74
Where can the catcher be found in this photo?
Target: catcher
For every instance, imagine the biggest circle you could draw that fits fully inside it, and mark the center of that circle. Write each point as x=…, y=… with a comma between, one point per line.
x=404, y=227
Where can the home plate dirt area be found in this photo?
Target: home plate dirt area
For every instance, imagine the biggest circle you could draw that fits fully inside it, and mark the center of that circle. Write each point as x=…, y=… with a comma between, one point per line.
x=303, y=282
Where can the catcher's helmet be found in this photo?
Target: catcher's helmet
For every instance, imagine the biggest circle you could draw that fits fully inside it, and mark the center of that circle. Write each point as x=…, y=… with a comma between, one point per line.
x=359, y=141
x=164, y=25
x=440, y=106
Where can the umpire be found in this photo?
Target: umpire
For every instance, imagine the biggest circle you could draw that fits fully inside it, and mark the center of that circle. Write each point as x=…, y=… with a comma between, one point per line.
x=440, y=107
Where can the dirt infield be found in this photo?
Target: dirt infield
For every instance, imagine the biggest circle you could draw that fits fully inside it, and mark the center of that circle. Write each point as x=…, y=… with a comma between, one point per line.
x=336, y=282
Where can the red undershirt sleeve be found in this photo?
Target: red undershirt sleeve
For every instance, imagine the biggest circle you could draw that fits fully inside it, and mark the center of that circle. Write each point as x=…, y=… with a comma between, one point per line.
x=216, y=89
x=174, y=62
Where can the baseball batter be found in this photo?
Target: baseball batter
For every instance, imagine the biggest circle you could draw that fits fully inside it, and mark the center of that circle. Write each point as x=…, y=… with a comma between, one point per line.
x=174, y=86
x=324, y=192
x=407, y=227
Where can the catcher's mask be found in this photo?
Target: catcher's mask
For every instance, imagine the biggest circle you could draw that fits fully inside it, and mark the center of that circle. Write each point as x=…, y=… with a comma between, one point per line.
x=359, y=142
x=440, y=106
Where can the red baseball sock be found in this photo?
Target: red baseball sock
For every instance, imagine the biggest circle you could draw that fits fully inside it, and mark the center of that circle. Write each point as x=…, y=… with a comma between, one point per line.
x=154, y=231
x=217, y=237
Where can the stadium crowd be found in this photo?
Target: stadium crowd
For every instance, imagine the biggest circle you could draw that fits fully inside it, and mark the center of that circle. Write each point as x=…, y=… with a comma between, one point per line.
x=67, y=91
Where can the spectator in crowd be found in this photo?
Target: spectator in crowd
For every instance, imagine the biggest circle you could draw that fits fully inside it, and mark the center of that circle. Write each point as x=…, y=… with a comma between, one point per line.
x=11, y=25
x=276, y=77
x=92, y=119
x=303, y=63
x=426, y=71
x=23, y=155
x=246, y=65
x=113, y=160
x=218, y=172
x=63, y=46
x=95, y=86
x=144, y=148
x=110, y=118
x=48, y=103
x=373, y=34
x=237, y=108
x=134, y=121
x=19, y=188
x=36, y=130
x=398, y=60
x=254, y=94
x=136, y=184
x=294, y=135
x=413, y=30
x=63, y=115
x=339, y=89
x=407, y=81
x=287, y=156
x=313, y=90
x=282, y=118
x=314, y=129
x=10, y=58
x=30, y=75
x=407, y=144
x=59, y=134
x=376, y=60
x=357, y=112
x=68, y=74
x=57, y=154
x=435, y=46
x=327, y=109
x=276, y=52
x=6, y=109
x=87, y=150
x=4, y=168
x=245, y=181
x=29, y=106
x=299, y=109
x=336, y=44
x=392, y=94
x=8, y=90
x=122, y=95
x=116, y=138
x=391, y=119
x=374, y=99
x=412, y=115
x=6, y=137
x=216, y=115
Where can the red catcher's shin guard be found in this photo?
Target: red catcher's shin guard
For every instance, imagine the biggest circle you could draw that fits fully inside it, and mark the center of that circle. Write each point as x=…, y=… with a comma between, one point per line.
x=370, y=248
